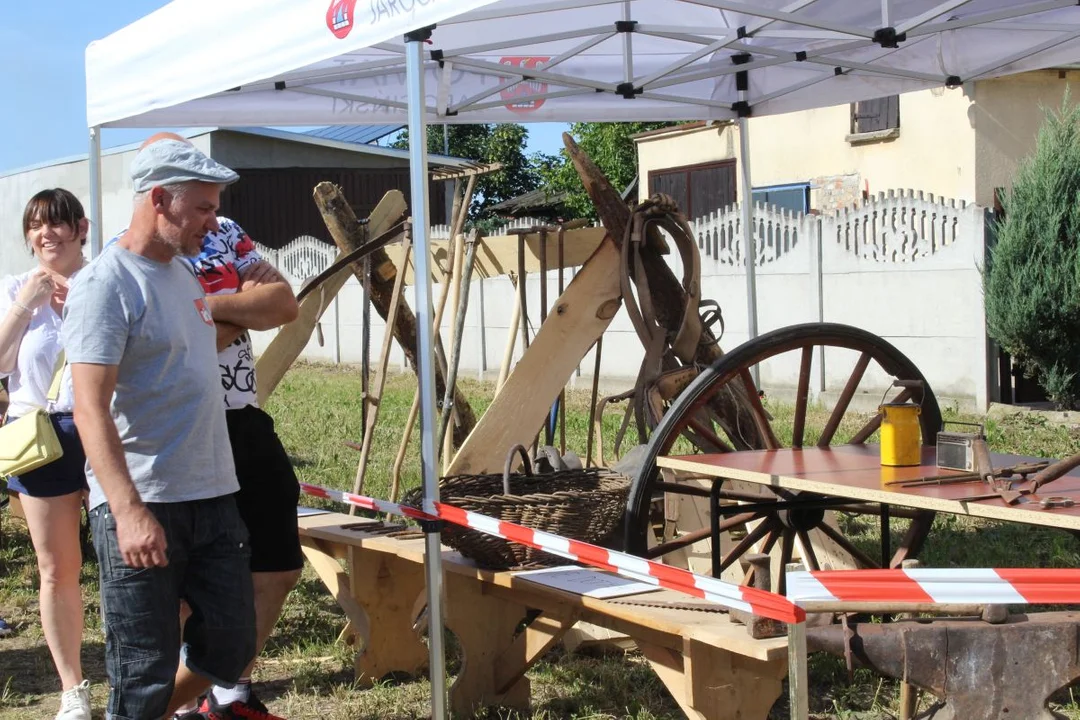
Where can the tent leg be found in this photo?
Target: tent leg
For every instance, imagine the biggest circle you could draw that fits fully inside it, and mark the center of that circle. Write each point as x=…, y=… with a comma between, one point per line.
x=95, y=192
x=418, y=183
x=746, y=207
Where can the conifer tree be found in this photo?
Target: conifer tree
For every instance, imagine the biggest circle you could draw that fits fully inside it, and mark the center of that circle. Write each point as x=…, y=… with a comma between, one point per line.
x=1032, y=279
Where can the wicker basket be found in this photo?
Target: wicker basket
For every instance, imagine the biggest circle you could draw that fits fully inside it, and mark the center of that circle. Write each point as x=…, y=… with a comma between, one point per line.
x=577, y=504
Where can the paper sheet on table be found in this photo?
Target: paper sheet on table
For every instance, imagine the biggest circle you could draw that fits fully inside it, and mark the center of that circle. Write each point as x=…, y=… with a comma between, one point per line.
x=302, y=511
x=585, y=581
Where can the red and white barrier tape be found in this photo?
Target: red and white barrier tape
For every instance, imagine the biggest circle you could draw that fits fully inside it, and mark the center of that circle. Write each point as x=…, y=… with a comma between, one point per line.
x=734, y=597
x=937, y=585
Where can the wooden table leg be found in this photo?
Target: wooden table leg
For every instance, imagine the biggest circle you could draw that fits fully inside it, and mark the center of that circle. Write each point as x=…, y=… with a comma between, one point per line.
x=713, y=684
x=386, y=587
x=493, y=662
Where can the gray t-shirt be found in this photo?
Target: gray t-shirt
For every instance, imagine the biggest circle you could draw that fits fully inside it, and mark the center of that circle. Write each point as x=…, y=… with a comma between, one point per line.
x=152, y=321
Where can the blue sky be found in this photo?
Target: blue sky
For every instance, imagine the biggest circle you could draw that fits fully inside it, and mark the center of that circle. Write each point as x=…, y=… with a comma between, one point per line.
x=42, y=48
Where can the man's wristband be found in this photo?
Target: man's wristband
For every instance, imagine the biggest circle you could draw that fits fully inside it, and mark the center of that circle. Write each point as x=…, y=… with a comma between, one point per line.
x=15, y=304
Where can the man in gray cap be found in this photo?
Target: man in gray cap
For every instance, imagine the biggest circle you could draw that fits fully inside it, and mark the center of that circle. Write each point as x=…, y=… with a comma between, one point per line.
x=149, y=408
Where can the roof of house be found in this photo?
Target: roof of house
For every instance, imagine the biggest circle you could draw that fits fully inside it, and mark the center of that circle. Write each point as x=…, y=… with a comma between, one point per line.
x=272, y=133
x=361, y=134
x=684, y=127
x=532, y=200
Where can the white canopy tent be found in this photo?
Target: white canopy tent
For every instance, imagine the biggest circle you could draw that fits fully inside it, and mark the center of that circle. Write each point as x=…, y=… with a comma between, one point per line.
x=323, y=62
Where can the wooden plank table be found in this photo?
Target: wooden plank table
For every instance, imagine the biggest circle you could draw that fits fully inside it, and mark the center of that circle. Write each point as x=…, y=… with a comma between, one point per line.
x=711, y=665
x=855, y=472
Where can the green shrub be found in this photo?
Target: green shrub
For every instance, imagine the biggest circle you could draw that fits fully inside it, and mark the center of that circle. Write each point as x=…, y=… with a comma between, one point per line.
x=1032, y=279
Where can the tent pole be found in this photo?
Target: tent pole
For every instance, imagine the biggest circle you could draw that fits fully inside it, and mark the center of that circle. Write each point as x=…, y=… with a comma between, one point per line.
x=95, y=191
x=746, y=208
x=418, y=184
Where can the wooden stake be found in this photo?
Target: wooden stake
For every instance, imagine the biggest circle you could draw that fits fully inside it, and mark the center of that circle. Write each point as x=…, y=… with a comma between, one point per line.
x=374, y=399
x=511, y=342
x=344, y=228
x=395, y=485
x=455, y=293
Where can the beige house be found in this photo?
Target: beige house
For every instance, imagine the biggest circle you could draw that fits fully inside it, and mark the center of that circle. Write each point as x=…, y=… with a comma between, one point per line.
x=961, y=143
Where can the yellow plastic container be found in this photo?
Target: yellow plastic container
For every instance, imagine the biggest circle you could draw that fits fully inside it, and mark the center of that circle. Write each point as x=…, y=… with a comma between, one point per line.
x=901, y=436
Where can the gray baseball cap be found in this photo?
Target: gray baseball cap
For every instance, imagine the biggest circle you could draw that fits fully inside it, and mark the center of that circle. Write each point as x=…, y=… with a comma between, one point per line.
x=166, y=162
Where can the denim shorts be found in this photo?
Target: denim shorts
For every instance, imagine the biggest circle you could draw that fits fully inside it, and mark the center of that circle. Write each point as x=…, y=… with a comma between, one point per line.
x=63, y=476
x=207, y=549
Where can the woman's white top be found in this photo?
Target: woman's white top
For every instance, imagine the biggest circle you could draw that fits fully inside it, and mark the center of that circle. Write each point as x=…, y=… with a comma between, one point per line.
x=28, y=384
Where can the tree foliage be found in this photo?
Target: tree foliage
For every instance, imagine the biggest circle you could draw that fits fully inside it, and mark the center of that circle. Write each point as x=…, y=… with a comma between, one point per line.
x=610, y=146
x=503, y=143
x=1032, y=279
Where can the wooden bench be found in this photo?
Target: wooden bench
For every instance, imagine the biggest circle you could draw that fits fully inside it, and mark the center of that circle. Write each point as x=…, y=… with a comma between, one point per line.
x=711, y=665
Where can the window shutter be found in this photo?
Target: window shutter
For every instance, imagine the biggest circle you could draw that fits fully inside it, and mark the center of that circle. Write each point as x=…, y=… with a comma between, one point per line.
x=877, y=114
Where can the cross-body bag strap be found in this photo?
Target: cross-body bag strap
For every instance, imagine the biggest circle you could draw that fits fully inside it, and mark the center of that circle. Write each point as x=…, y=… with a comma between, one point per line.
x=58, y=374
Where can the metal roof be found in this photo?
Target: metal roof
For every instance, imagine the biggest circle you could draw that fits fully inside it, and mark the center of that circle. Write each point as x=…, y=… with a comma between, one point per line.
x=360, y=134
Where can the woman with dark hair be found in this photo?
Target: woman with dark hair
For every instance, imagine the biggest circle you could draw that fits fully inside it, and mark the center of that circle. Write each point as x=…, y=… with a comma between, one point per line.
x=32, y=305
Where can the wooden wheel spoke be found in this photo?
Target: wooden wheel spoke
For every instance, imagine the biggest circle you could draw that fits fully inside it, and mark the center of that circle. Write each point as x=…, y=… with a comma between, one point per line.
x=913, y=538
x=875, y=422
x=865, y=560
x=707, y=434
x=700, y=534
x=808, y=550
x=785, y=558
x=761, y=418
x=802, y=397
x=844, y=400
x=746, y=543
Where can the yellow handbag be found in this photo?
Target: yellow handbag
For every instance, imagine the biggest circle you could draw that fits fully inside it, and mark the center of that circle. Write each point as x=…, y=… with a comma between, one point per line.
x=31, y=442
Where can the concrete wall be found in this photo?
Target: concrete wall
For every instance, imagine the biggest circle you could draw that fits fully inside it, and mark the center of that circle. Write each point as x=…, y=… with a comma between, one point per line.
x=903, y=267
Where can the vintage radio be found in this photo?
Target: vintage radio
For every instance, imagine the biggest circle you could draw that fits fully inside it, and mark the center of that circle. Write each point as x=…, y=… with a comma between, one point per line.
x=955, y=449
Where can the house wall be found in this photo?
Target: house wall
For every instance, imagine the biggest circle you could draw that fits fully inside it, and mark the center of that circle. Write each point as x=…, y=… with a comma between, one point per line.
x=1007, y=114
x=934, y=151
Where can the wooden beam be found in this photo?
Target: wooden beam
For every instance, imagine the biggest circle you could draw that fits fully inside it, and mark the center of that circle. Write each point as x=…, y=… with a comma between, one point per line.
x=337, y=582
x=580, y=316
x=497, y=255
x=529, y=646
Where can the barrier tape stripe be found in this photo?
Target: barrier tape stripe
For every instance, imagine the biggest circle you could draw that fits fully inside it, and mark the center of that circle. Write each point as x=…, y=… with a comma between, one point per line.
x=735, y=597
x=1014, y=586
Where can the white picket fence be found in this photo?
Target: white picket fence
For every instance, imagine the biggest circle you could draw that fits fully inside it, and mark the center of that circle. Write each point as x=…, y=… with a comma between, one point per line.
x=902, y=264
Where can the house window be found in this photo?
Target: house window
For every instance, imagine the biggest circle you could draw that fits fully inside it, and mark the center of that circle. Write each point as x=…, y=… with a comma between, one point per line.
x=871, y=116
x=794, y=197
x=697, y=189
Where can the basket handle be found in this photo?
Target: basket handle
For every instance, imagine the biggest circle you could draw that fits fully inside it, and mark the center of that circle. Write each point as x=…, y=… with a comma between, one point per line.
x=525, y=464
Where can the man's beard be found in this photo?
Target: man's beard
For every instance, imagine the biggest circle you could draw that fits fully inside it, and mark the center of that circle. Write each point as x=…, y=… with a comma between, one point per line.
x=176, y=247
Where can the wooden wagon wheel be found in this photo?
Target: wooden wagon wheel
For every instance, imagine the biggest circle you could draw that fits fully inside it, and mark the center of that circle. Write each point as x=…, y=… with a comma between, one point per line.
x=692, y=415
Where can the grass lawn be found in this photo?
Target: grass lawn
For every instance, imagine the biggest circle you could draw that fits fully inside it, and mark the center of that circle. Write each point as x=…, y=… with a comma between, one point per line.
x=304, y=673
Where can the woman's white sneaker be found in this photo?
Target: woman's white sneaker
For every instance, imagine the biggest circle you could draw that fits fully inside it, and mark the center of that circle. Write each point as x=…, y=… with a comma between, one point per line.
x=75, y=703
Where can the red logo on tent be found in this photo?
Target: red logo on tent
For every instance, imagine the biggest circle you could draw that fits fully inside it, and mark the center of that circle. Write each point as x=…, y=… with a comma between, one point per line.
x=519, y=97
x=340, y=17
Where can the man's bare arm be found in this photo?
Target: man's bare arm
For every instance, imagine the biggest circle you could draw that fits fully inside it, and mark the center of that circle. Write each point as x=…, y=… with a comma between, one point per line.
x=227, y=333
x=138, y=533
x=265, y=301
